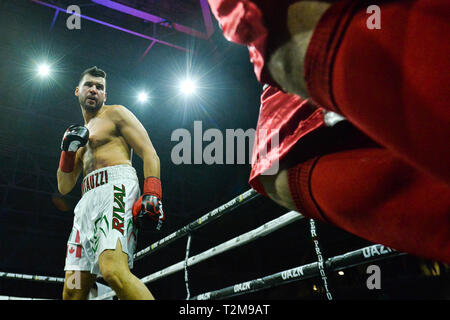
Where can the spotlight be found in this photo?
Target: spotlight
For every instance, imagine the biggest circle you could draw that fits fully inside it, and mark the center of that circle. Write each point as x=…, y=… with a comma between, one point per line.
x=43, y=70
x=188, y=87
x=142, y=97
x=341, y=273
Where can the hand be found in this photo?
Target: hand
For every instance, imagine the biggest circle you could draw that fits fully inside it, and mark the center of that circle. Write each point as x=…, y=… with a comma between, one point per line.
x=151, y=206
x=75, y=137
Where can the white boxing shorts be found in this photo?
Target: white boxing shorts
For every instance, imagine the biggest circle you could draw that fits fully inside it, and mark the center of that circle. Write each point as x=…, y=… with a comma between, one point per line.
x=102, y=217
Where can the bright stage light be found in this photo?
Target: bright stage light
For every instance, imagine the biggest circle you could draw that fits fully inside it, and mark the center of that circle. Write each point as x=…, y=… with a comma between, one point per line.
x=43, y=70
x=188, y=87
x=142, y=97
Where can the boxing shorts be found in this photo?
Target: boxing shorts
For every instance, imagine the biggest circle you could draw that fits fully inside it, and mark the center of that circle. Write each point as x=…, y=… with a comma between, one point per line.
x=103, y=216
x=283, y=120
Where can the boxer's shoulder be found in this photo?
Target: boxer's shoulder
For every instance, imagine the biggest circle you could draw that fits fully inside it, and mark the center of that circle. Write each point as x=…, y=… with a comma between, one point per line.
x=116, y=112
x=113, y=109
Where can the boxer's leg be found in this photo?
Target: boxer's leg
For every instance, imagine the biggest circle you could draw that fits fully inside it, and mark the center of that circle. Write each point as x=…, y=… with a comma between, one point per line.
x=116, y=272
x=374, y=195
x=325, y=140
x=393, y=82
x=77, y=285
x=276, y=187
x=78, y=279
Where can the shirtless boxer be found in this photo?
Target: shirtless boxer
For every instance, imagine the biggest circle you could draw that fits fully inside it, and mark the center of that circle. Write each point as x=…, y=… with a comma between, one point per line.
x=388, y=82
x=103, y=237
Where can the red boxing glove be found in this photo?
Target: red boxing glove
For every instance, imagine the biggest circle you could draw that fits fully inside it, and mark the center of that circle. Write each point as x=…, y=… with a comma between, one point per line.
x=149, y=204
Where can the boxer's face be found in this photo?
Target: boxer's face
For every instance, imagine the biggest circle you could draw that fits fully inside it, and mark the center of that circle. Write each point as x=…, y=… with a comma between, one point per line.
x=91, y=92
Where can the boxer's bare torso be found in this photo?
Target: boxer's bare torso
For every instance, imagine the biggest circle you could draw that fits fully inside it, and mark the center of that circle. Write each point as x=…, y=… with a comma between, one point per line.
x=106, y=146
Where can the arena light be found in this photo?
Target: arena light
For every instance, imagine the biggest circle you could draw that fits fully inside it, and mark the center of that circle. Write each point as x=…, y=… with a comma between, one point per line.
x=188, y=86
x=142, y=97
x=43, y=70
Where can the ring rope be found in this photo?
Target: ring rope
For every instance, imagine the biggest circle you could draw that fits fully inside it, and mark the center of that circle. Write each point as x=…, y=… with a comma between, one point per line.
x=30, y=277
x=259, y=232
x=202, y=221
x=186, y=276
x=320, y=264
x=20, y=298
x=347, y=260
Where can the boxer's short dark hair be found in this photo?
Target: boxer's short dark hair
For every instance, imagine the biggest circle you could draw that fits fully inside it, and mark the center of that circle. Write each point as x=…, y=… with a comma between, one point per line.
x=95, y=72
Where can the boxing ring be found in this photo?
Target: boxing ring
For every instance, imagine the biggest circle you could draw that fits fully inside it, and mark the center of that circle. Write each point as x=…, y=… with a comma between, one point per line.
x=320, y=268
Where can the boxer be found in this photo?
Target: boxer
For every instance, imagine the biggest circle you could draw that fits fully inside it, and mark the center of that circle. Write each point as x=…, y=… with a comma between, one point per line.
x=388, y=82
x=104, y=233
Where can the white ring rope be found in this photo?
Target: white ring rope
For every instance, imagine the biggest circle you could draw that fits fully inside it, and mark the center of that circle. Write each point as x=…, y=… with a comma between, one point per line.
x=259, y=232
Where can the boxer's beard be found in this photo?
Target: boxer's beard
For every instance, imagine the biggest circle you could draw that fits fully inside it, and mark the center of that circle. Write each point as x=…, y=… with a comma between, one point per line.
x=91, y=107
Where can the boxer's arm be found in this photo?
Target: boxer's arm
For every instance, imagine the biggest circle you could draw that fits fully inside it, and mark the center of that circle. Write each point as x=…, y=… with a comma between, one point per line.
x=66, y=181
x=286, y=63
x=137, y=138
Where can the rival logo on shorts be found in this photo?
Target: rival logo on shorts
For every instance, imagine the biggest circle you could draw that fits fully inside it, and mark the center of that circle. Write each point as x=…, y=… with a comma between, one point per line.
x=118, y=212
x=94, y=181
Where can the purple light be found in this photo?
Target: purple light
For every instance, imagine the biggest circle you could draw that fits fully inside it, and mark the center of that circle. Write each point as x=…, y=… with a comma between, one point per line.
x=149, y=17
x=54, y=19
x=207, y=18
x=113, y=26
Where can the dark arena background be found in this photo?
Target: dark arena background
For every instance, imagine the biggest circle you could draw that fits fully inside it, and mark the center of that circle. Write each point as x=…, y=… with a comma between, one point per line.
x=152, y=55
